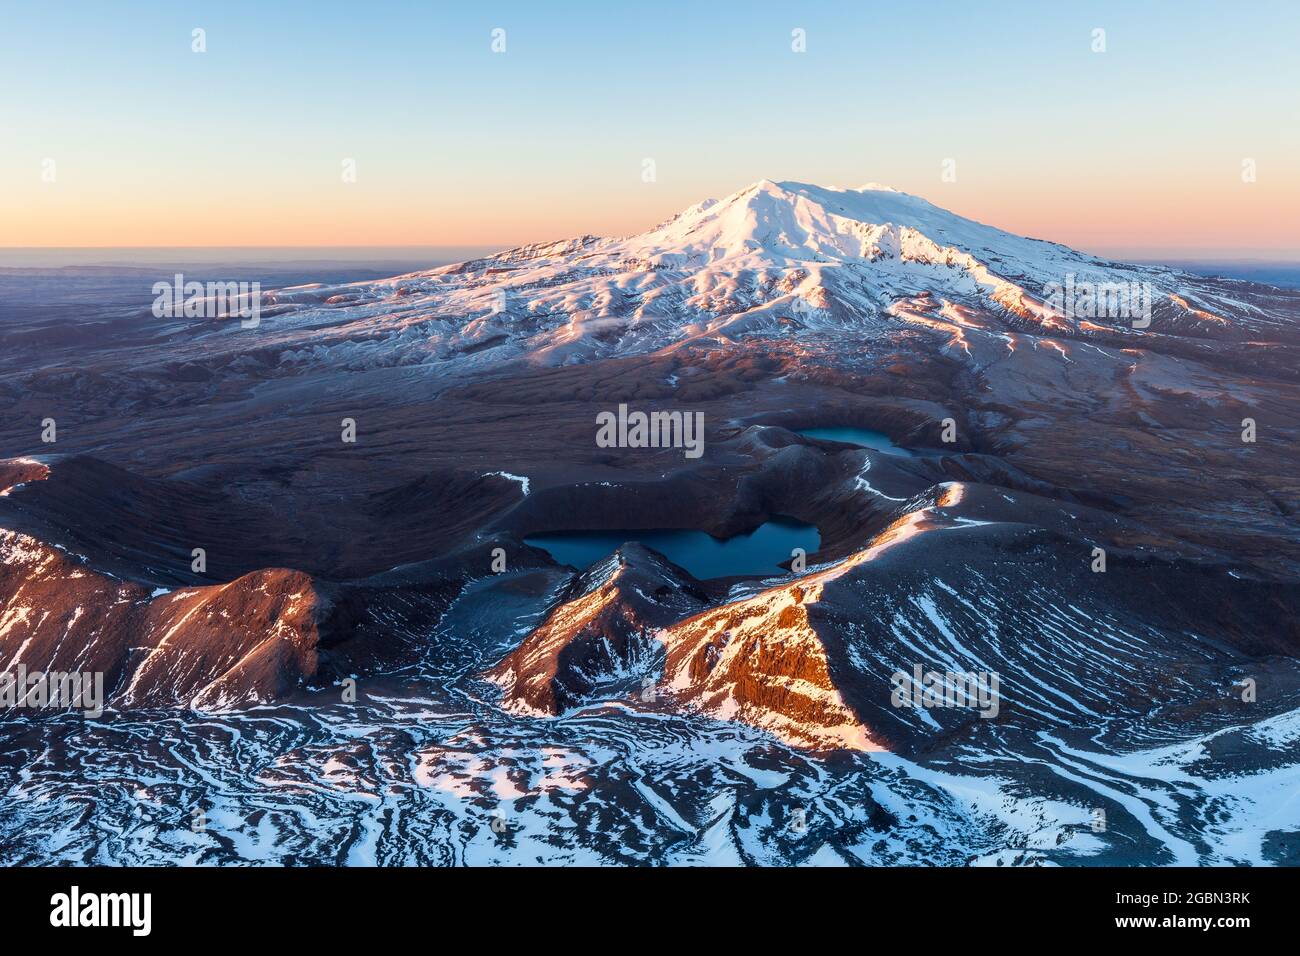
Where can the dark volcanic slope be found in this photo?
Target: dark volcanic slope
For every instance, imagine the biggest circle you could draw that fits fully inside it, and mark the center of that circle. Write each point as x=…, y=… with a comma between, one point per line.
x=138, y=525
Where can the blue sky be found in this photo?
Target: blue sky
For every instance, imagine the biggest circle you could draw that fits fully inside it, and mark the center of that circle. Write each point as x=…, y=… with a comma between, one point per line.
x=1136, y=148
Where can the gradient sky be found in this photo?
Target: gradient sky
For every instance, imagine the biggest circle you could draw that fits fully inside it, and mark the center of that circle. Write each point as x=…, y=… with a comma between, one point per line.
x=1135, y=151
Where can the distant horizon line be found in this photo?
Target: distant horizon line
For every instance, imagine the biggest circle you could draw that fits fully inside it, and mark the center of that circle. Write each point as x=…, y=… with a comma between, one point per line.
x=1142, y=254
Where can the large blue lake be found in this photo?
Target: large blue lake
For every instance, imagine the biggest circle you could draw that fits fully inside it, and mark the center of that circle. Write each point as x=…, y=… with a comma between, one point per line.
x=757, y=554
x=862, y=437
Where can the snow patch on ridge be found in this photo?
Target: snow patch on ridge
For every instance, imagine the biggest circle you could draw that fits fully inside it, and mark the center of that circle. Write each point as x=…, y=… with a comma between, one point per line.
x=523, y=482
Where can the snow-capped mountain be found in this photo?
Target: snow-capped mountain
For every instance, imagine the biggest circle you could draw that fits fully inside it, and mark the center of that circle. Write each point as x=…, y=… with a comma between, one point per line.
x=765, y=260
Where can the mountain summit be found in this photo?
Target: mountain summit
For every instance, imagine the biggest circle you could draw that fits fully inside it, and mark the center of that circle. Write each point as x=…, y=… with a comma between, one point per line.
x=803, y=222
x=767, y=260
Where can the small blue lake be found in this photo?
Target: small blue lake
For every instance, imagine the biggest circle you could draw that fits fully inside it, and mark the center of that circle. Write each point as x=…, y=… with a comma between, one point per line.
x=757, y=554
x=862, y=437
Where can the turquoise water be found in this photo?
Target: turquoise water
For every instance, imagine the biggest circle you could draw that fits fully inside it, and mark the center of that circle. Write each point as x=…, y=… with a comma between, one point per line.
x=863, y=437
x=757, y=554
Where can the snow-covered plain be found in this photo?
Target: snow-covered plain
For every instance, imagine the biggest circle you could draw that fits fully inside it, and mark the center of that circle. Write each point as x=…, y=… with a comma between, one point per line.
x=416, y=780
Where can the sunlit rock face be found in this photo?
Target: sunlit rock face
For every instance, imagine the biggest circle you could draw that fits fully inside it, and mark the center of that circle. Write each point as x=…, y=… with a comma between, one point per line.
x=599, y=640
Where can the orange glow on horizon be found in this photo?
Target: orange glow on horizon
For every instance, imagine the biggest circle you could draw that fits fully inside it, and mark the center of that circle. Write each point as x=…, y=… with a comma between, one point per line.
x=1229, y=219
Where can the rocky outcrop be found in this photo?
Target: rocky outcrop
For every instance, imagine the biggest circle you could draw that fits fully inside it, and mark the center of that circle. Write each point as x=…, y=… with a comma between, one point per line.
x=249, y=640
x=254, y=639
x=600, y=638
x=16, y=472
